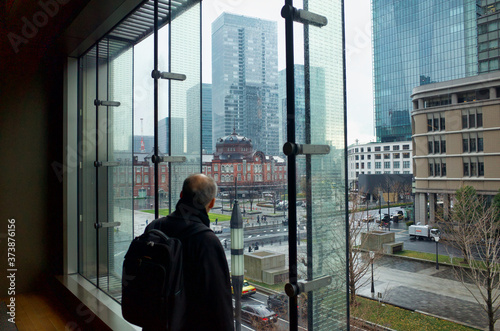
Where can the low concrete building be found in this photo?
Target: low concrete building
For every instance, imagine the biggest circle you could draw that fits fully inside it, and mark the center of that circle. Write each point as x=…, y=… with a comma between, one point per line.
x=456, y=135
x=267, y=267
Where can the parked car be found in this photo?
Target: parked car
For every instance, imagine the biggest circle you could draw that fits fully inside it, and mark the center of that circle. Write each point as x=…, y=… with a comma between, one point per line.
x=385, y=218
x=279, y=303
x=246, y=290
x=397, y=216
x=259, y=316
x=370, y=218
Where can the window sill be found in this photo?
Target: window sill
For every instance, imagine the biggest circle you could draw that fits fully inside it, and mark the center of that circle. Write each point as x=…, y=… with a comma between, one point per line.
x=95, y=303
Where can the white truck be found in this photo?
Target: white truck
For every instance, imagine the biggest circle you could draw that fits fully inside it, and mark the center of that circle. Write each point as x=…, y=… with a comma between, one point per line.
x=216, y=228
x=422, y=232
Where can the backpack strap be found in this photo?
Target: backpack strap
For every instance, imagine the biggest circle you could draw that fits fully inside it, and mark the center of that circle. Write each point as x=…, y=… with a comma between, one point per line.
x=159, y=233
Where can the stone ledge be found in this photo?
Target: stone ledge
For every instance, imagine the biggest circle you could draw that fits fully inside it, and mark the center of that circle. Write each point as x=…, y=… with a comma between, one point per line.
x=391, y=248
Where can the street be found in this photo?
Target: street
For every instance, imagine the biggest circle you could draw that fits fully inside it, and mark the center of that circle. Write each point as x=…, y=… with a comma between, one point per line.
x=407, y=283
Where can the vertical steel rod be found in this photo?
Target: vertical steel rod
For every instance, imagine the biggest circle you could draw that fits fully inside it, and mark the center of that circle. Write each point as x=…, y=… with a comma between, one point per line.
x=156, y=107
x=97, y=159
x=292, y=203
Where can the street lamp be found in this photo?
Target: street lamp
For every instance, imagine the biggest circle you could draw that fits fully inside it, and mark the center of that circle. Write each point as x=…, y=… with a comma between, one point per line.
x=237, y=260
x=413, y=194
x=372, y=256
x=380, y=206
x=367, y=217
x=436, y=239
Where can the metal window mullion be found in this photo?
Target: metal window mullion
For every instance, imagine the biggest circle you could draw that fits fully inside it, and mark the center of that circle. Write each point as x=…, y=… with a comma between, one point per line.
x=97, y=158
x=156, y=106
x=132, y=143
x=291, y=168
x=169, y=22
x=201, y=93
x=346, y=171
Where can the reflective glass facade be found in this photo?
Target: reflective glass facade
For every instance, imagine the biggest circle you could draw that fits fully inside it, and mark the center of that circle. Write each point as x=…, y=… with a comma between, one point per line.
x=417, y=43
x=488, y=29
x=245, y=80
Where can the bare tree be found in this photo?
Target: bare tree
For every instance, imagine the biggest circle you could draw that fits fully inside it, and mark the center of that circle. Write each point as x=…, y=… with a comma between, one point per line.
x=252, y=192
x=359, y=261
x=474, y=230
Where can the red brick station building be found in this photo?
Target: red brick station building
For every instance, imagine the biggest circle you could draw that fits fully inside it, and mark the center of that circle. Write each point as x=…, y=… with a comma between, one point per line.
x=255, y=172
x=235, y=158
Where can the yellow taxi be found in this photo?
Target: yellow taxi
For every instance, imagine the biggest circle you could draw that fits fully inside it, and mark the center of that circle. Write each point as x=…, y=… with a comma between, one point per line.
x=247, y=289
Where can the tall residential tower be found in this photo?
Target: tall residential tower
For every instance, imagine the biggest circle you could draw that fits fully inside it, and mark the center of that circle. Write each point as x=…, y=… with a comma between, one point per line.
x=245, y=80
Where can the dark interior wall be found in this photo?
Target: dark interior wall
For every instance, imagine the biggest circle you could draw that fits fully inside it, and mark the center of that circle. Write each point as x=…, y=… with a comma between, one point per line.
x=31, y=135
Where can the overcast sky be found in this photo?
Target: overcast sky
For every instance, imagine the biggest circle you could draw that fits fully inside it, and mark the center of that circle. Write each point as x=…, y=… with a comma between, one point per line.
x=358, y=53
x=359, y=71
x=358, y=58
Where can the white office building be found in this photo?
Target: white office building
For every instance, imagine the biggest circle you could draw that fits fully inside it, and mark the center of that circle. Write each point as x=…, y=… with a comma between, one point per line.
x=379, y=158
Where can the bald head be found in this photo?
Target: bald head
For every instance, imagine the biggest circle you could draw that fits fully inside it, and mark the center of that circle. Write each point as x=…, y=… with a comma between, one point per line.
x=200, y=189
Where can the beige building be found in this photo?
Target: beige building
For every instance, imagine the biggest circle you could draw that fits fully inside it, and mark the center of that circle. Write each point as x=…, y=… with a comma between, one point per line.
x=456, y=140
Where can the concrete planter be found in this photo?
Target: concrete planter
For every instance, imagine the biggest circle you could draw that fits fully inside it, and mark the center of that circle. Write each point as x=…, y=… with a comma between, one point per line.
x=374, y=240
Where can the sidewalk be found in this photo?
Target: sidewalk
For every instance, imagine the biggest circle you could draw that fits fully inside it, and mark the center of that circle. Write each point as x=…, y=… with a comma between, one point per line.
x=419, y=286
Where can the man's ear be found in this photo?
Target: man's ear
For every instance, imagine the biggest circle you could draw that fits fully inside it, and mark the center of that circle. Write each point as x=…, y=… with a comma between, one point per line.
x=212, y=203
x=181, y=195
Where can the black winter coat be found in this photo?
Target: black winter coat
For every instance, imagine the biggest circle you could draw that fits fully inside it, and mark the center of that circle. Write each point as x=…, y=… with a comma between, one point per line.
x=206, y=273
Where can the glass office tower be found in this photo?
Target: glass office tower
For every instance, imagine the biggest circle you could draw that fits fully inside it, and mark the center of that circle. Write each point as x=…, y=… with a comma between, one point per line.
x=245, y=80
x=417, y=43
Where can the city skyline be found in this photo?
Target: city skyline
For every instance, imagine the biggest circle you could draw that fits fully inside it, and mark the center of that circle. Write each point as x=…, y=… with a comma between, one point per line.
x=358, y=62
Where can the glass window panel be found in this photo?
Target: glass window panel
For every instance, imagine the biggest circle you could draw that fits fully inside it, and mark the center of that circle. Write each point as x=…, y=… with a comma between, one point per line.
x=480, y=144
x=465, y=145
x=473, y=144
x=87, y=174
x=185, y=97
x=472, y=120
x=119, y=149
x=327, y=307
x=473, y=168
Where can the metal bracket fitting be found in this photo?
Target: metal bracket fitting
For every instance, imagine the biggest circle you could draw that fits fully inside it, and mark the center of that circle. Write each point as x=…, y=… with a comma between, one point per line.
x=106, y=225
x=106, y=103
x=172, y=159
x=303, y=16
x=304, y=286
x=167, y=75
x=299, y=149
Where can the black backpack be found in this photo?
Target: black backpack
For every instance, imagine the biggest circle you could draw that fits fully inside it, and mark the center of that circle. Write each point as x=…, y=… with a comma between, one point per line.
x=152, y=281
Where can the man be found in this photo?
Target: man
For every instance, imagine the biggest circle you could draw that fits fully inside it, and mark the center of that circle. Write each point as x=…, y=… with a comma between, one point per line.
x=206, y=275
